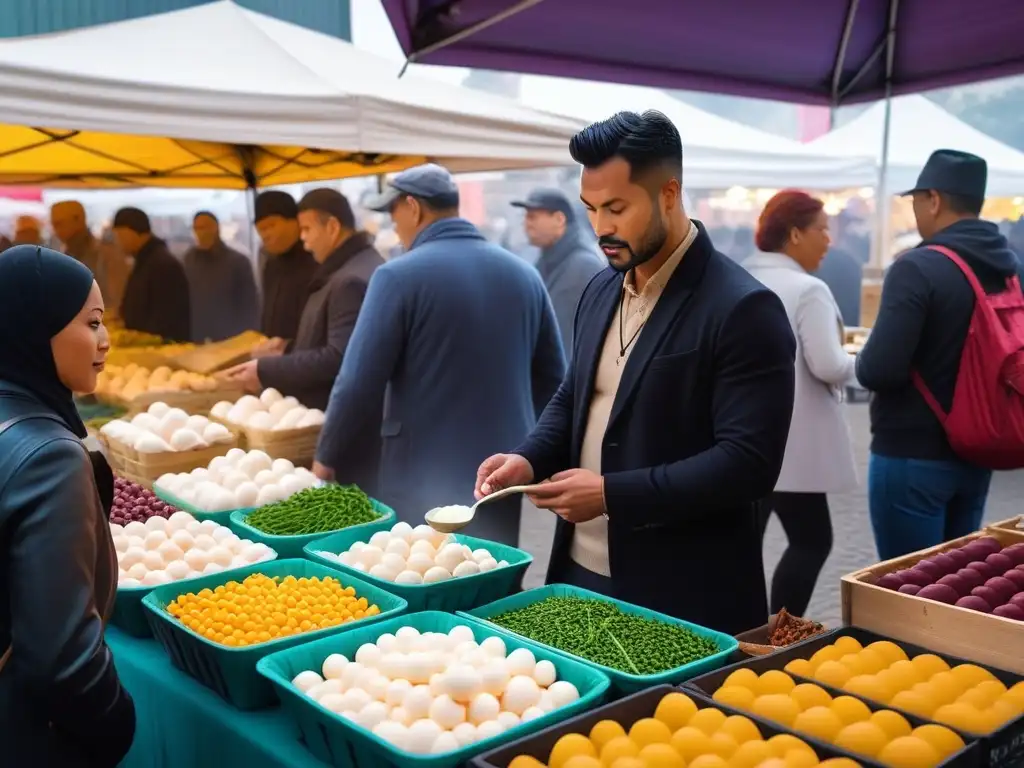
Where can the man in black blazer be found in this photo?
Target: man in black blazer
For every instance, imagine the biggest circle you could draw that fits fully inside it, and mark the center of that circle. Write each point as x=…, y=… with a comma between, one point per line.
x=672, y=420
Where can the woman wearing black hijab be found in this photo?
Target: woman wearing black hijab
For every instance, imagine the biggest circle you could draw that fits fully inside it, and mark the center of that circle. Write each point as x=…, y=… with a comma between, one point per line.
x=61, y=703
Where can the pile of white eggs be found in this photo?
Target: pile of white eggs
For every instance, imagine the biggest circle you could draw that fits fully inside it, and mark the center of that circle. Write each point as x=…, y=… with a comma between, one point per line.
x=238, y=480
x=433, y=693
x=420, y=555
x=270, y=411
x=162, y=429
x=163, y=550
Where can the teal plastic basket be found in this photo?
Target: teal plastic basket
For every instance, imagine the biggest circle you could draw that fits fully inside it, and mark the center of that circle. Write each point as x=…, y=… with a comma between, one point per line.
x=231, y=672
x=292, y=546
x=222, y=518
x=130, y=616
x=452, y=595
x=344, y=744
x=622, y=682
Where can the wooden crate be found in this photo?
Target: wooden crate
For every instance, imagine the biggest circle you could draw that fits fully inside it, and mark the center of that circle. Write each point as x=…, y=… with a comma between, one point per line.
x=1010, y=526
x=145, y=468
x=296, y=445
x=189, y=400
x=978, y=637
x=217, y=356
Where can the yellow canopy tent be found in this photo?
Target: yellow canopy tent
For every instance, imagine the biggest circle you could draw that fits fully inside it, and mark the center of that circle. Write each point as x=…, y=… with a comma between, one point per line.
x=221, y=97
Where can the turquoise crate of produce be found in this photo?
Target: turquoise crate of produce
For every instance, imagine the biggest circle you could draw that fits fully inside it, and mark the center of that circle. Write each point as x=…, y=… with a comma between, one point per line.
x=457, y=594
x=343, y=743
x=223, y=518
x=230, y=671
x=316, y=512
x=130, y=616
x=667, y=637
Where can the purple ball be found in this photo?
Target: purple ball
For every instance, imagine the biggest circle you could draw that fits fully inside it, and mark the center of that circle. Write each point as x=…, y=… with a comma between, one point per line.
x=889, y=581
x=974, y=603
x=971, y=577
x=910, y=589
x=912, y=576
x=989, y=595
x=1009, y=611
x=959, y=557
x=991, y=543
x=1000, y=562
x=941, y=593
x=1017, y=577
x=986, y=570
x=1017, y=599
x=944, y=561
x=956, y=583
x=1002, y=587
x=930, y=569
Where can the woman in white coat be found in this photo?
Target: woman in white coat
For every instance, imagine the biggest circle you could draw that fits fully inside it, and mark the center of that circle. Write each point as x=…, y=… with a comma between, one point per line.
x=792, y=235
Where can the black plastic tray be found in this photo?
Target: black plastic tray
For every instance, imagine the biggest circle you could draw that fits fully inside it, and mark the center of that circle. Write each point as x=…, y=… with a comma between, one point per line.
x=1003, y=748
x=627, y=711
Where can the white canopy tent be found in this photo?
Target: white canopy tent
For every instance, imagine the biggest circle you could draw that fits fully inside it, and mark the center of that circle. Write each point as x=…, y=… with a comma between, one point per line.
x=209, y=79
x=918, y=127
x=716, y=152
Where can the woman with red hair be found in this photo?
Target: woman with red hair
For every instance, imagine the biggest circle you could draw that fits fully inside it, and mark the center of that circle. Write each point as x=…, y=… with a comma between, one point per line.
x=792, y=237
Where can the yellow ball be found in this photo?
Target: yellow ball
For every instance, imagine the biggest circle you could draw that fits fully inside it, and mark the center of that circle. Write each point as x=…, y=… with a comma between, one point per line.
x=774, y=681
x=808, y=695
x=942, y=739
x=605, y=731
x=649, y=730
x=735, y=696
x=909, y=752
x=570, y=745
x=777, y=707
x=660, y=756
x=893, y=723
x=864, y=738
x=675, y=709
x=850, y=710
x=744, y=677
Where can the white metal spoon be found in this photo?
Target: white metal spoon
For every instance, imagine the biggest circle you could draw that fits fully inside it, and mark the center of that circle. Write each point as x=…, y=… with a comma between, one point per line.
x=451, y=526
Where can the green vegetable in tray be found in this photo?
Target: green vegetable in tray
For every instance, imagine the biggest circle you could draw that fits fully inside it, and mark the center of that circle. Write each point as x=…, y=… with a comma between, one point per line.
x=315, y=510
x=600, y=632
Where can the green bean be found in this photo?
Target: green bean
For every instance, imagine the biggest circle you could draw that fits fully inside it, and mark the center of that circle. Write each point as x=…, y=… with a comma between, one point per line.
x=600, y=632
x=315, y=510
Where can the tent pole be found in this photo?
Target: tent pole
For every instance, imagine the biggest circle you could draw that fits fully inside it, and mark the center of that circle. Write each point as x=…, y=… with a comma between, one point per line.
x=882, y=202
x=469, y=31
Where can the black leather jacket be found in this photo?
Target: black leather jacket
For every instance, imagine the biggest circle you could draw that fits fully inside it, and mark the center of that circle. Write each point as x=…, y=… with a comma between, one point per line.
x=61, y=703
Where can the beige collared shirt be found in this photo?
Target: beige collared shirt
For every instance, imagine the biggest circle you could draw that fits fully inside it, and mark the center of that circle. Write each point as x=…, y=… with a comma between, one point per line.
x=590, y=540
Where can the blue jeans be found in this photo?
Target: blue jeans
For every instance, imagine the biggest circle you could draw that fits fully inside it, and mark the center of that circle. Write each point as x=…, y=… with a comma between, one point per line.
x=919, y=503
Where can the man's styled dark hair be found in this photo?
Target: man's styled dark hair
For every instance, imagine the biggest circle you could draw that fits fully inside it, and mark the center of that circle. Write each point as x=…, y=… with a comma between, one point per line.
x=207, y=214
x=963, y=205
x=648, y=141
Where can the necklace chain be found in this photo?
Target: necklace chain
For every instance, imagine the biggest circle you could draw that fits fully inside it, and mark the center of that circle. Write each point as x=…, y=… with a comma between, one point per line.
x=623, y=344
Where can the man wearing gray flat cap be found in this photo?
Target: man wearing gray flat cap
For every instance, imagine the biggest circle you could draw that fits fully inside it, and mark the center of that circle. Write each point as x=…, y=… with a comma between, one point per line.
x=462, y=336
x=567, y=261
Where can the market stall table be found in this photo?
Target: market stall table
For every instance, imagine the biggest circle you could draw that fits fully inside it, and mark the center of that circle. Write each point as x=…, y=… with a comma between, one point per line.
x=180, y=722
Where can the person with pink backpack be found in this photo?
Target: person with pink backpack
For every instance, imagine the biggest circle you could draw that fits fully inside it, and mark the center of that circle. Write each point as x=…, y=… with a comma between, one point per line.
x=945, y=362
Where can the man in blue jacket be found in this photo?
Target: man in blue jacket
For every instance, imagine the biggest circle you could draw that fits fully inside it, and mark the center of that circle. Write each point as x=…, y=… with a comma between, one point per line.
x=567, y=261
x=462, y=336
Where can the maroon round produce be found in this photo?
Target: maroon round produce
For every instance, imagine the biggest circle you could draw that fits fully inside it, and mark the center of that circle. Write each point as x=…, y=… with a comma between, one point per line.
x=956, y=583
x=1016, y=553
x=1018, y=600
x=132, y=502
x=991, y=543
x=930, y=569
x=974, y=603
x=1000, y=562
x=959, y=557
x=1017, y=577
x=911, y=576
x=944, y=561
x=909, y=589
x=941, y=593
x=1009, y=611
x=989, y=595
x=976, y=550
x=1002, y=587
x=890, y=581
x=972, y=577
x=986, y=570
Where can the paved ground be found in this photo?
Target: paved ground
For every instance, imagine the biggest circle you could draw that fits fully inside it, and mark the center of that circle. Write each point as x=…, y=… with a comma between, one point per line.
x=854, y=546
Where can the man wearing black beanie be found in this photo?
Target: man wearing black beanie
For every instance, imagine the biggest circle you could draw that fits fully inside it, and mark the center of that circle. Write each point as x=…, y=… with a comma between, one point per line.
x=286, y=270
x=156, y=297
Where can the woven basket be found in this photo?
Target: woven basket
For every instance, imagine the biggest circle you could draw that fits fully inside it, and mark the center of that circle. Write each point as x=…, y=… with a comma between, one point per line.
x=189, y=400
x=145, y=468
x=296, y=445
x=219, y=355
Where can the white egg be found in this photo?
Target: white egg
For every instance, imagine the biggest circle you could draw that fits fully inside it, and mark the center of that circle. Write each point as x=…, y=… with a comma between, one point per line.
x=177, y=570
x=290, y=419
x=269, y=396
x=532, y=713
x=562, y=693
x=417, y=702
x=220, y=410
x=328, y=686
x=466, y=568
x=398, y=547
x=259, y=420
x=179, y=520
x=269, y=494
x=387, y=643
x=444, y=744
x=172, y=421
x=494, y=676
x=132, y=556
x=421, y=736
x=197, y=559
x=220, y=555
x=281, y=407
x=356, y=698
x=282, y=467
x=419, y=563
x=333, y=701
x=521, y=662
x=155, y=578
x=393, y=562
x=489, y=730
x=234, y=456
x=450, y=557
x=436, y=684
x=409, y=577
x=494, y=646
x=290, y=485
x=246, y=495
x=137, y=542
x=422, y=533
x=314, y=417
x=546, y=703
x=120, y=544
x=257, y=553
x=435, y=574
x=137, y=571
x=146, y=422
x=168, y=481
x=380, y=540
x=129, y=583
x=508, y=720
x=182, y=540
x=333, y=666
x=196, y=423
x=156, y=523
x=460, y=633
x=462, y=682
x=382, y=572
x=135, y=528
x=393, y=733
x=373, y=714
x=483, y=707
x=306, y=680
x=153, y=561
x=369, y=655
x=158, y=409
x=370, y=556
x=423, y=548
x=401, y=530
x=216, y=433
x=545, y=673
x=464, y=734
x=488, y=565
x=232, y=479
x=248, y=401
x=239, y=562
x=521, y=693
x=377, y=687
x=502, y=564
x=396, y=692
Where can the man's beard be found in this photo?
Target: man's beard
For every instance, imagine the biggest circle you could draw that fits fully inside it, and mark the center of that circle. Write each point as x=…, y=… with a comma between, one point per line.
x=651, y=244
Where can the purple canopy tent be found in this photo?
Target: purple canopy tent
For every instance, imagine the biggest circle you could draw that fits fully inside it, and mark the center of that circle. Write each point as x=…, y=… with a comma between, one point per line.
x=810, y=51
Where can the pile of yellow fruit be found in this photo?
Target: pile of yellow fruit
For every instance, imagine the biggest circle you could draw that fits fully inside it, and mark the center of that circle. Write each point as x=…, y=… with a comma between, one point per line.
x=966, y=697
x=132, y=380
x=680, y=735
x=843, y=721
x=260, y=608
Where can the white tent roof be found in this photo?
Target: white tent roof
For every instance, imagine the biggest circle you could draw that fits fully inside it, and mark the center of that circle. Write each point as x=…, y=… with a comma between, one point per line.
x=716, y=152
x=220, y=73
x=917, y=128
